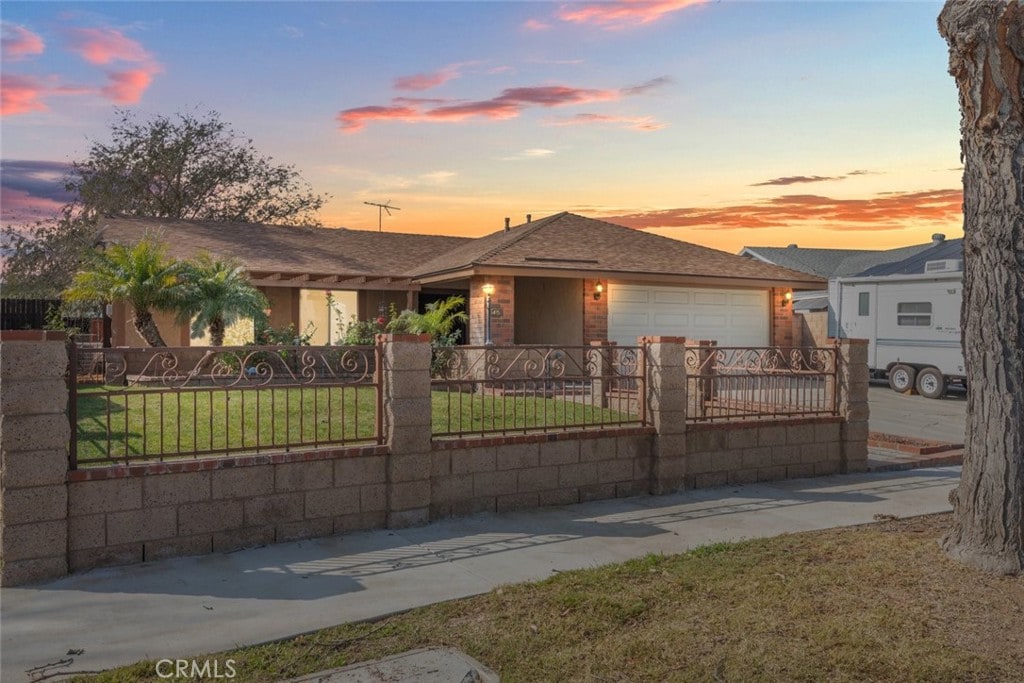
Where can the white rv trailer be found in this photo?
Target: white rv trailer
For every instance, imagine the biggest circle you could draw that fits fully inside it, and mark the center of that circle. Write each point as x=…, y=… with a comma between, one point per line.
x=911, y=322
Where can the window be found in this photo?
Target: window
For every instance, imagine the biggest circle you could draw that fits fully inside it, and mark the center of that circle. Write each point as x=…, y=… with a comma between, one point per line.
x=914, y=314
x=864, y=303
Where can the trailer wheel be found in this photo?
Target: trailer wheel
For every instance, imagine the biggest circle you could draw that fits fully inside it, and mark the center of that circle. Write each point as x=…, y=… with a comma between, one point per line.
x=931, y=383
x=901, y=378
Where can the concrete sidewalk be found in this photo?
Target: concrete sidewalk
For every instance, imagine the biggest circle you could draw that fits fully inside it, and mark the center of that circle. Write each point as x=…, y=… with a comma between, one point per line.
x=189, y=606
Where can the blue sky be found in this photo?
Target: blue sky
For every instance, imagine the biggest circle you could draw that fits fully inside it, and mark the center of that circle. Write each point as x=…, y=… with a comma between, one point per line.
x=721, y=123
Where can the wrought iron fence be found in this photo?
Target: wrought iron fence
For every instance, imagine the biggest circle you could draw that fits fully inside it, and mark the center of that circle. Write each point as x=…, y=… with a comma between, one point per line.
x=479, y=390
x=729, y=383
x=167, y=403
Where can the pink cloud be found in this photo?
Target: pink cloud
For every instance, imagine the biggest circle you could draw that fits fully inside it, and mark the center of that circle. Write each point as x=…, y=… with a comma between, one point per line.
x=535, y=25
x=425, y=81
x=19, y=43
x=642, y=123
x=621, y=13
x=353, y=120
x=20, y=95
x=509, y=104
x=105, y=45
x=127, y=87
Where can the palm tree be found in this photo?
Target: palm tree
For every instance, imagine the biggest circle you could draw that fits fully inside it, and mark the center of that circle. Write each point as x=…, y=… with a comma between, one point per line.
x=438, y=319
x=140, y=275
x=216, y=293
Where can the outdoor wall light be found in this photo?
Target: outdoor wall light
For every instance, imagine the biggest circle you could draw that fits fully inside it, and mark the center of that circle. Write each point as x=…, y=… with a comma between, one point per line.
x=598, y=290
x=488, y=290
x=787, y=298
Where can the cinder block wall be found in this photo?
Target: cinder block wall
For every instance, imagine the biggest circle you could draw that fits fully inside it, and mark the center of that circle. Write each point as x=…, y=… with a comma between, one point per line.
x=52, y=519
x=34, y=435
x=529, y=471
x=124, y=515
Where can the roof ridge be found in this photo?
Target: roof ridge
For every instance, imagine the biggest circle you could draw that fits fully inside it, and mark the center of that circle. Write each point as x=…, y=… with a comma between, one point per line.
x=536, y=225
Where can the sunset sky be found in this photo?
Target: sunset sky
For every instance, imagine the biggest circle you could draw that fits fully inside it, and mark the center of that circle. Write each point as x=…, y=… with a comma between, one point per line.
x=829, y=124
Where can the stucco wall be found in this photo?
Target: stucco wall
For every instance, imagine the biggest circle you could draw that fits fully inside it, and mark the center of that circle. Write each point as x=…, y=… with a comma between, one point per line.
x=549, y=311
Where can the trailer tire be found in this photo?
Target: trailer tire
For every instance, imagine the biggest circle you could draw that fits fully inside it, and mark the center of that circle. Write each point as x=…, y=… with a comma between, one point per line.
x=931, y=383
x=902, y=378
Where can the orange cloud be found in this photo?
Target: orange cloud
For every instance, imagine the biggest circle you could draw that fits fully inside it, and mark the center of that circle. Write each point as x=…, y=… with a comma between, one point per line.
x=105, y=45
x=353, y=120
x=622, y=13
x=18, y=42
x=535, y=25
x=642, y=123
x=889, y=211
x=127, y=87
x=20, y=95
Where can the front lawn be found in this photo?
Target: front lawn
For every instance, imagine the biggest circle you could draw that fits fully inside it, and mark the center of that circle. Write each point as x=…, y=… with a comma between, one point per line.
x=873, y=603
x=145, y=424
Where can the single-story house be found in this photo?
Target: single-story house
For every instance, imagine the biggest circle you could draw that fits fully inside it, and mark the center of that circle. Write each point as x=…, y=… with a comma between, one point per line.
x=564, y=279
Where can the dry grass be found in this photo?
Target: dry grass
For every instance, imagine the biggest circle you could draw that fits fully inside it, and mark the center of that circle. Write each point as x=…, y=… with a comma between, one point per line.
x=873, y=603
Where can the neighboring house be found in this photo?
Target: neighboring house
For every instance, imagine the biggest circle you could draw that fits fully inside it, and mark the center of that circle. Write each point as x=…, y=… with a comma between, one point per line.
x=815, y=321
x=564, y=279
x=909, y=311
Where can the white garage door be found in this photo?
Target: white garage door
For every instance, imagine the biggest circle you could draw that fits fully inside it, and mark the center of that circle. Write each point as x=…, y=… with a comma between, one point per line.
x=732, y=317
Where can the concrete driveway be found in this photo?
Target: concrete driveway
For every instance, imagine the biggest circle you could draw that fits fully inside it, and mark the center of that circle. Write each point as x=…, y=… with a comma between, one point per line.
x=925, y=418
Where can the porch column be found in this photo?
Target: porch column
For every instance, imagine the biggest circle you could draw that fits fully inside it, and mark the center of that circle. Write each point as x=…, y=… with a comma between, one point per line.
x=502, y=310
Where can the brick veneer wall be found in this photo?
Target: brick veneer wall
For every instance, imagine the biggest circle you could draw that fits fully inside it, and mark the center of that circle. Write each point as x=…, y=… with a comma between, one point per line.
x=595, y=312
x=52, y=519
x=502, y=326
x=782, y=318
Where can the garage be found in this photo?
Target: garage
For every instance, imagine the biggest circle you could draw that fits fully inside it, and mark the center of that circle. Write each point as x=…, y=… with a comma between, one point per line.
x=732, y=317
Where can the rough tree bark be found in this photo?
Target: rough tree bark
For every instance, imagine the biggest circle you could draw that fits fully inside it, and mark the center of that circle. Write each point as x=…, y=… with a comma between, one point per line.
x=986, y=55
x=147, y=329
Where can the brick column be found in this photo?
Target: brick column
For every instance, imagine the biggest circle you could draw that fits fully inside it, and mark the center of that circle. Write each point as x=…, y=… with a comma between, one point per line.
x=782, y=317
x=852, y=402
x=502, y=305
x=34, y=435
x=595, y=312
x=407, y=430
x=666, y=401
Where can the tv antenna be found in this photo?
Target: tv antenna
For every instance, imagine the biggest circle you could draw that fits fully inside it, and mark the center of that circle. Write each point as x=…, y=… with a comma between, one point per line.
x=381, y=208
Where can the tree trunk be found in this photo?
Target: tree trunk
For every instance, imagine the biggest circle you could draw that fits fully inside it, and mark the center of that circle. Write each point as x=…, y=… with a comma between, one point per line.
x=986, y=53
x=147, y=329
x=217, y=329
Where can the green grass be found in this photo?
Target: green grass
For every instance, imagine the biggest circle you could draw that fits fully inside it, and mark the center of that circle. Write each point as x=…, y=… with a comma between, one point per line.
x=138, y=424
x=874, y=603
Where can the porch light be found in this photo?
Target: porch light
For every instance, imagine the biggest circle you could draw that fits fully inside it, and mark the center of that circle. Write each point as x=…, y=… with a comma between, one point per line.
x=787, y=298
x=598, y=290
x=488, y=290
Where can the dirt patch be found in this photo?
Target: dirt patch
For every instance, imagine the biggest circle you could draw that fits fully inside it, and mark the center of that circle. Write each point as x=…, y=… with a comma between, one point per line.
x=909, y=444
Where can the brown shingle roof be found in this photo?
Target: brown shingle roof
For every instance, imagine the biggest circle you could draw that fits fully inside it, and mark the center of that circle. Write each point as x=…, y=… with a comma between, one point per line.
x=572, y=242
x=287, y=249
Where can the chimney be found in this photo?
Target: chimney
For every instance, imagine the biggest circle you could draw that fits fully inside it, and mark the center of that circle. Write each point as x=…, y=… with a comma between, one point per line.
x=937, y=239
x=529, y=218
x=507, y=221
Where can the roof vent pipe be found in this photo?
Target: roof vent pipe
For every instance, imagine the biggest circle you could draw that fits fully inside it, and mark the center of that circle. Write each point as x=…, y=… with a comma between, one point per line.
x=529, y=217
x=507, y=221
x=792, y=246
x=938, y=238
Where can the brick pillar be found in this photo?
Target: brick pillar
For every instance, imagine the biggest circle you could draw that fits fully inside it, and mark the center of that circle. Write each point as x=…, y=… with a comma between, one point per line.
x=34, y=435
x=782, y=317
x=666, y=401
x=595, y=312
x=406, y=387
x=502, y=310
x=852, y=402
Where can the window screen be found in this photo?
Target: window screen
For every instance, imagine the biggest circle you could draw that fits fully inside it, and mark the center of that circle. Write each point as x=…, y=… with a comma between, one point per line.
x=864, y=303
x=914, y=314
